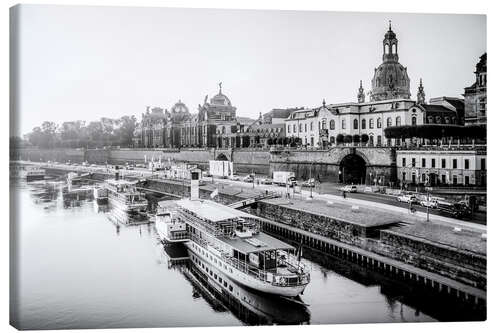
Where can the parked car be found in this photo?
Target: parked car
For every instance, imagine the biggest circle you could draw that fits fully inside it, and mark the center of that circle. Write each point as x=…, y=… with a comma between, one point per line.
x=349, y=188
x=431, y=202
x=266, y=181
x=233, y=177
x=408, y=198
x=248, y=179
x=311, y=182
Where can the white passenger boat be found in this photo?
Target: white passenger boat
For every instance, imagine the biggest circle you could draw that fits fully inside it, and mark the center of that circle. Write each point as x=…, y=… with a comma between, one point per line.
x=124, y=198
x=169, y=227
x=230, y=241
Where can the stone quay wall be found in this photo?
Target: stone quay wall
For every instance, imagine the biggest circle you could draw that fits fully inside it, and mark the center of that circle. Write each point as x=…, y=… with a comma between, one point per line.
x=327, y=163
x=460, y=265
x=245, y=160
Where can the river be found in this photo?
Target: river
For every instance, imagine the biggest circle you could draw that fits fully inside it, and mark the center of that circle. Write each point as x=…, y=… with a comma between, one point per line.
x=76, y=268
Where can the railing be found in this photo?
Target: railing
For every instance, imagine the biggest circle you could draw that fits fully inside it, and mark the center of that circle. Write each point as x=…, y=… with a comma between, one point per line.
x=302, y=276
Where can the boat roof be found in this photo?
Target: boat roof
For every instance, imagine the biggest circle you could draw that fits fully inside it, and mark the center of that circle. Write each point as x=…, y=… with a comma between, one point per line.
x=211, y=210
x=121, y=181
x=167, y=204
x=257, y=243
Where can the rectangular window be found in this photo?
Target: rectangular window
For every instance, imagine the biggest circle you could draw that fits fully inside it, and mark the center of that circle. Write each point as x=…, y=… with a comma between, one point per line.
x=311, y=126
x=466, y=180
x=466, y=164
x=443, y=179
x=404, y=176
x=483, y=164
x=454, y=163
x=455, y=180
x=343, y=123
x=289, y=129
x=300, y=128
x=423, y=162
x=294, y=128
x=433, y=163
x=413, y=162
x=443, y=163
x=403, y=162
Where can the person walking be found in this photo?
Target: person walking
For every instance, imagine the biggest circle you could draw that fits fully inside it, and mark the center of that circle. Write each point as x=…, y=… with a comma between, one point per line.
x=344, y=194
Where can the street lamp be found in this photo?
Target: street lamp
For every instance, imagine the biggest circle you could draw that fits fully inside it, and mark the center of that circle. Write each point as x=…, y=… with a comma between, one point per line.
x=340, y=174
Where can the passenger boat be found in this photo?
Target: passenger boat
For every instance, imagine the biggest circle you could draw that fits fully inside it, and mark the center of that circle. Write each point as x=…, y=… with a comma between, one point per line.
x=169, y=227
x=35, y=174
x=125, y=200
x=230, y=241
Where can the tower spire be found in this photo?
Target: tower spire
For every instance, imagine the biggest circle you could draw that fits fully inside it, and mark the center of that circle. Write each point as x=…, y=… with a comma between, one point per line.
x=420, y=93
x=390, y=25
x=220, y=87
x=361, y=92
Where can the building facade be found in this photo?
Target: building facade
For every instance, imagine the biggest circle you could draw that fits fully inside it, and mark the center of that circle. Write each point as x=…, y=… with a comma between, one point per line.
x=475, y=96
x=458, y=166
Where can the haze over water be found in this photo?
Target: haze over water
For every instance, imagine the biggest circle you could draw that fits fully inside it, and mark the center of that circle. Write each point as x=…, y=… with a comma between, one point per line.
x=77, y=269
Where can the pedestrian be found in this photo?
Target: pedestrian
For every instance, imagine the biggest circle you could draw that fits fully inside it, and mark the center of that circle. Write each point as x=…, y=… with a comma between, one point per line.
x=344, y=194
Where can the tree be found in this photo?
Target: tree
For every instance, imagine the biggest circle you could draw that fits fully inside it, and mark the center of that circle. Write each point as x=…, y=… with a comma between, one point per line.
x=365, y=138
x=356, y=138
x=348, y=138
x=340, y=139
x=270, y=141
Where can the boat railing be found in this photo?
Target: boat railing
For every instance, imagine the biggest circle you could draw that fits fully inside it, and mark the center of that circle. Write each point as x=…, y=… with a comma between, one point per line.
x=301, y=275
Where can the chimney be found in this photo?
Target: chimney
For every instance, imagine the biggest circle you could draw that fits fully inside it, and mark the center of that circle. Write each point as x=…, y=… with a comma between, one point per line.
x=195, y=184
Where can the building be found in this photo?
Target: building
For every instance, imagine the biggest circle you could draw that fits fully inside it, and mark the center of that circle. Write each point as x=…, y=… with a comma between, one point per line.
x=362, y=122
x=475, y=96
x=214, y=125
x=438, y=166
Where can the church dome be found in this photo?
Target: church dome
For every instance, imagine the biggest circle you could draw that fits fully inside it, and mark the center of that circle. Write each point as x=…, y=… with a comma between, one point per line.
x=390, y=79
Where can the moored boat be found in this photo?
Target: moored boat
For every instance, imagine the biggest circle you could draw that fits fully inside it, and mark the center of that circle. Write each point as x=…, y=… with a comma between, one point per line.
x=169, y=227
x=125, y=199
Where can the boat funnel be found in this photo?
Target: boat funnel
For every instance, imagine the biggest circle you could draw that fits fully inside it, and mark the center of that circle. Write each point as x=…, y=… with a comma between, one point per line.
x=195, y=184
x=117, y=175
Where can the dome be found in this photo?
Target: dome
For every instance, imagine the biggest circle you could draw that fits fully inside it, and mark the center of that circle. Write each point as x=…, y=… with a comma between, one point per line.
x=220, y=99
x=179, y=107
x=390, y=81
x=179, y=112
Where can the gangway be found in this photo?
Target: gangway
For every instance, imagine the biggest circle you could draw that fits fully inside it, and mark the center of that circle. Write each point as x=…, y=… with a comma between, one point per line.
x=247, y=202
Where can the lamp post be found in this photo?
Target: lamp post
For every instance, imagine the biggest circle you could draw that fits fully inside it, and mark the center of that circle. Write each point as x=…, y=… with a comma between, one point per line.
x=340, y=174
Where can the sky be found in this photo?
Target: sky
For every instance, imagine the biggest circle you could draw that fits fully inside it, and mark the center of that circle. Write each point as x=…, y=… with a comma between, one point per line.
x=84, y=62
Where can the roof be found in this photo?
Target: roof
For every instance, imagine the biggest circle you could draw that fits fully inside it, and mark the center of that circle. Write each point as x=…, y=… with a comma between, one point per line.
x=121, y=181
x=281, y=113
x=211, y=210
x=257, y=243
x=245, y=120
x=436, y=108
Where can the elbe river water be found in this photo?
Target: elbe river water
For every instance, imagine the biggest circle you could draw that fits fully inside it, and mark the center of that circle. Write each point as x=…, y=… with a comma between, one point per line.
x=77, y=268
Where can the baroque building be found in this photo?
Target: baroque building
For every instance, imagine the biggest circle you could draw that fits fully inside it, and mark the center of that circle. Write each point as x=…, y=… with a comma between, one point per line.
x=363, y=122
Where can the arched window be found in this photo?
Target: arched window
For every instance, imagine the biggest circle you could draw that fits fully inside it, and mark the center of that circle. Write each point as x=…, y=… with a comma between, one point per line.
x=332, y=124
x=453, y=120
x=430, y=120
x=370, y=122
x=332, y=140
x=363, y=124
x=389, y=122
x=398, y=121
x=355, y=124
x=438, y=120
x=447, y=120
x=413, y=121
x=379, y=123
x=323, y=123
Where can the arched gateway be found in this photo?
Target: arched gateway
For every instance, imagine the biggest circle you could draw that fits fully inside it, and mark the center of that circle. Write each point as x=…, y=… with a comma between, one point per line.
x=352, y=169
x=222, y=157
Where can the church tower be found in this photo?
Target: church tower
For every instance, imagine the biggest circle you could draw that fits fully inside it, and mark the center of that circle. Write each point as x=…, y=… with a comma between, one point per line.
x=390, y=80
x=421, y=94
